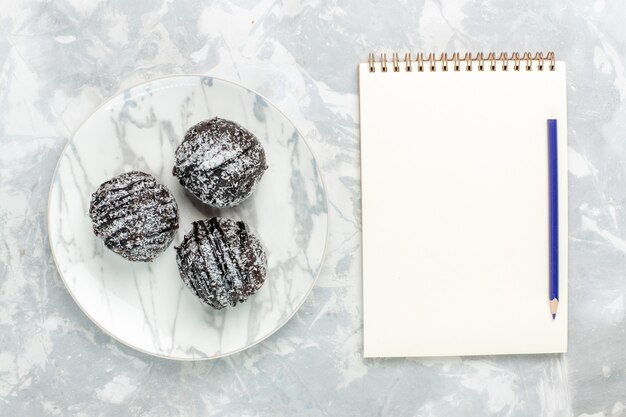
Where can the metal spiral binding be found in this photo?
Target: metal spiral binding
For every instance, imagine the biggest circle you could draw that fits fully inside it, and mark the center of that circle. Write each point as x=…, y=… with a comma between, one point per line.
x=430, y=61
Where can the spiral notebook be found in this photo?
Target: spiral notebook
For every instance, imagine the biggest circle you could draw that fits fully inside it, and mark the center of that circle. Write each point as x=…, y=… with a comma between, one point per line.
x=454, y=163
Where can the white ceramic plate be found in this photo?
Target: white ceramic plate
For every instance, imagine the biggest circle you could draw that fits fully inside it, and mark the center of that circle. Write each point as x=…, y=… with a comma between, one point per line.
x=146, y=305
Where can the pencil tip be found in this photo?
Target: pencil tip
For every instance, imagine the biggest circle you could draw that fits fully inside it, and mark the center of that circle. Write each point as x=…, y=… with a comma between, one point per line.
x=554, y=304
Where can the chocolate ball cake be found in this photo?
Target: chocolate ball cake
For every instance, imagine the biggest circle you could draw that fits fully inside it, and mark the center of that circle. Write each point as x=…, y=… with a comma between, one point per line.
x=221, y=261
x=135, y=216
x=220, y=162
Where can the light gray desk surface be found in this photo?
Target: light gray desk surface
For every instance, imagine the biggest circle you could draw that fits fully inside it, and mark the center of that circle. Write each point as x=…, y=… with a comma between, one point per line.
x=59, y=60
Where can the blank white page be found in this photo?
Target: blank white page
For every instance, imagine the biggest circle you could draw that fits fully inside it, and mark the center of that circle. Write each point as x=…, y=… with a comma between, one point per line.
x=455, y=211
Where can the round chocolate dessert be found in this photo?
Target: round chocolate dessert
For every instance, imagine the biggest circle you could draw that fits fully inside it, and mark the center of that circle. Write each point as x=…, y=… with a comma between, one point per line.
x=135, y=216
x=220, y=162
x=221, y=261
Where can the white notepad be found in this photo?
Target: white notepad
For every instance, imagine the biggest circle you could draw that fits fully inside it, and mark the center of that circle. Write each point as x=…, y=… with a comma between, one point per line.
x=455, y=209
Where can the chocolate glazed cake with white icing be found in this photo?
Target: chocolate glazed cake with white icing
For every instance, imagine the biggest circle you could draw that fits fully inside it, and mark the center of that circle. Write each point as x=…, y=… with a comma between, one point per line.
x=135, y=216
x=221, y=261
x=219, y=162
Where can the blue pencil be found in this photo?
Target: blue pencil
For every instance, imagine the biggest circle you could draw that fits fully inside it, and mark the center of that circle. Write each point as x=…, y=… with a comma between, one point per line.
x=553, y=198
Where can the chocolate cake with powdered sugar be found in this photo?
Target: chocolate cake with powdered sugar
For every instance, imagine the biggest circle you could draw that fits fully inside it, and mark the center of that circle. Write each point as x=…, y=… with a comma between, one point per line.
x=220, y=162
x=135, y=216
x=221, y=261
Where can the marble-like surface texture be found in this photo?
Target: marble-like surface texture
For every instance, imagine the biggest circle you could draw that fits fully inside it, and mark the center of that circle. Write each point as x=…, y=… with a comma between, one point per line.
x=147, y=305
x=59, y=60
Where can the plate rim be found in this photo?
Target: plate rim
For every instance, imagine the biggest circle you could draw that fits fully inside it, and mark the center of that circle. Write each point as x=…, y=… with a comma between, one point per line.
x=108, y=101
